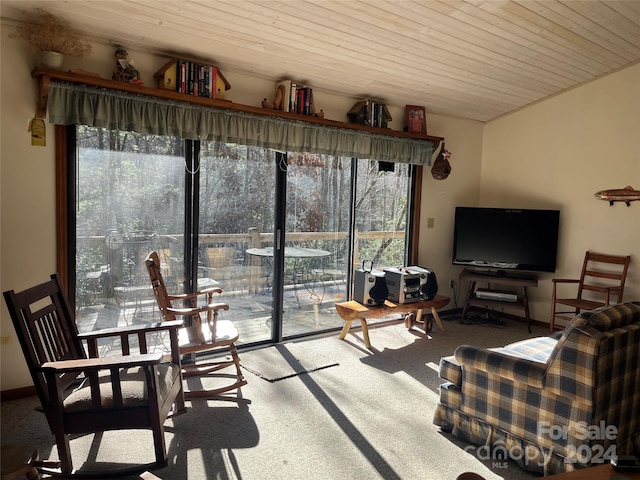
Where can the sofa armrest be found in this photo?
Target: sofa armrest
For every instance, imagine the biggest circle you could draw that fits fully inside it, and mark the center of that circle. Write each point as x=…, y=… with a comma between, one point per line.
x=500, y=364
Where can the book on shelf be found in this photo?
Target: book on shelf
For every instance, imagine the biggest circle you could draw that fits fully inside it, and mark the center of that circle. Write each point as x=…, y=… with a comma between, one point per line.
x=301, y=94
x=306, y=110
x=192, y=78
x=294, y=98
x=369, y=112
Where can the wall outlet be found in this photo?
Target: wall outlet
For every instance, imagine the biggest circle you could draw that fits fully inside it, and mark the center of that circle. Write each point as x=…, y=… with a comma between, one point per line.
x=451, y=284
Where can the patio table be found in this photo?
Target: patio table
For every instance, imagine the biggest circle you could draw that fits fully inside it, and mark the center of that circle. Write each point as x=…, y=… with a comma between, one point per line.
x=299, y=255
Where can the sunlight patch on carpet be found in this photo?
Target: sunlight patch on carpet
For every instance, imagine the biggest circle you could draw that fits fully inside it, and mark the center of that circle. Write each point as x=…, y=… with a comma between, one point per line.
x=284, y=361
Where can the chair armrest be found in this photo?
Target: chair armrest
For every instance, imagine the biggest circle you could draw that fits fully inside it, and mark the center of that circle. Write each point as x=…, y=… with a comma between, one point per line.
x=556, y=281
x=140, y=332
x=91, y=395
x=209, y=290
x=195, y=295
x=94, y=364
x=210, y=307
x=502, y=365
x=131, y=329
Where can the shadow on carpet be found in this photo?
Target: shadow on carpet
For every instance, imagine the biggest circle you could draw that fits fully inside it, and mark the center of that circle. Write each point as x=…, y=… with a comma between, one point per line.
x=279, y=362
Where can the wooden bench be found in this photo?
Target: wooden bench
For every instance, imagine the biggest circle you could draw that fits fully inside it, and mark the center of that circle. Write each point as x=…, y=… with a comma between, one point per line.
x=352, y=310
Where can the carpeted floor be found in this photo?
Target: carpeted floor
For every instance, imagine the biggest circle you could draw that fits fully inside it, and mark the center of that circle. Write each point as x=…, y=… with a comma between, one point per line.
x=280, y=362
x=369, y=416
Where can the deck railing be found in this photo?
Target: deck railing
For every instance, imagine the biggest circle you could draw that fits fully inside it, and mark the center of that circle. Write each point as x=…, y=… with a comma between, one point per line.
x=106, y=250
x=116, y=261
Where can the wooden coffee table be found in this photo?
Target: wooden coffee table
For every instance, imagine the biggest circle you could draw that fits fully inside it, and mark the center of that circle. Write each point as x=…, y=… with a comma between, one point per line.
x=350, y=311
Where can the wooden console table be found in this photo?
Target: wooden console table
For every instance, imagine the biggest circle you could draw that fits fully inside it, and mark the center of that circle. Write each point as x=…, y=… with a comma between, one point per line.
x=520, y=281
x=350, y=311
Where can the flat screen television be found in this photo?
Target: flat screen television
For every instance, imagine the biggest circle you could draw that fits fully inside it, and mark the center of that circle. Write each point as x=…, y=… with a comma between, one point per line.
x=506, y=238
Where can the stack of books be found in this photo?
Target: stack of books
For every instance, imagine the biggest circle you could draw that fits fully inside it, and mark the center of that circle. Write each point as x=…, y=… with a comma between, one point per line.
x=370, y=112
x=294, y=98
x=192, y=78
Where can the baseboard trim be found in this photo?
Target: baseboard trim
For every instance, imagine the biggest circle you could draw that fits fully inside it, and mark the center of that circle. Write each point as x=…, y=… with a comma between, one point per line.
x=17, y=393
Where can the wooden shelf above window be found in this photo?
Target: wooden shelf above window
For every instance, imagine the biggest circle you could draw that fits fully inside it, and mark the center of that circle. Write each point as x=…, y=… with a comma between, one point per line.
x=45, y=75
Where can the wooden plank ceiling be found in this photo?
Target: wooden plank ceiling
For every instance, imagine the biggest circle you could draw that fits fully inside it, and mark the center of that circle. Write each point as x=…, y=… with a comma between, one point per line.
x=476, y=59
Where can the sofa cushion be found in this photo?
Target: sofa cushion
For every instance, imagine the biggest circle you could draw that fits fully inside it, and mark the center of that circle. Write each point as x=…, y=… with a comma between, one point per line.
x=536, y=349
x=133, y=384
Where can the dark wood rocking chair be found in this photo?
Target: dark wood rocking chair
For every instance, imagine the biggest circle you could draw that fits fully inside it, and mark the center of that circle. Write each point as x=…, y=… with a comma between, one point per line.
x=602, y=277
x=83, y=394
x=206, y=334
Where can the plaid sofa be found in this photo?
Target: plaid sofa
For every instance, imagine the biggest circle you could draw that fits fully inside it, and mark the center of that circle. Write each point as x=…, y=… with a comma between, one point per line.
x=552, y=404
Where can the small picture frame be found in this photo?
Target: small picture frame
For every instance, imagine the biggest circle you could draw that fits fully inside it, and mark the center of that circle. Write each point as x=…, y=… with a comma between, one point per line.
x=416, y=119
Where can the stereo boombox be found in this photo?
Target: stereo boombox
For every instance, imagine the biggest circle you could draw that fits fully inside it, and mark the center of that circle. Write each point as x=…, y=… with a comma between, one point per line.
x=369, y=286
x=411, y=284
x=400, y=285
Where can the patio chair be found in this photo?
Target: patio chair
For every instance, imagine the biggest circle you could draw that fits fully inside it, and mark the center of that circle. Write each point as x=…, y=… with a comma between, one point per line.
x=204, y=335
x=81, y=394
x=328, y=272
x=602, y=277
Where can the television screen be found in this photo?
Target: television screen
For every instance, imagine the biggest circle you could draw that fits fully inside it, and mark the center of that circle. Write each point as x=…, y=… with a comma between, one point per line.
x=506, y=239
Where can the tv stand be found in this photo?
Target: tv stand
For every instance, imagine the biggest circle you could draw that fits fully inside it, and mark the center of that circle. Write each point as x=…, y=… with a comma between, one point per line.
x=519, y=280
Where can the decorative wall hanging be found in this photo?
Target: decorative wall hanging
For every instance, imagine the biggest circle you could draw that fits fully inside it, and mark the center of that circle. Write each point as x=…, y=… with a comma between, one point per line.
x=441, y=167
x=626, y=195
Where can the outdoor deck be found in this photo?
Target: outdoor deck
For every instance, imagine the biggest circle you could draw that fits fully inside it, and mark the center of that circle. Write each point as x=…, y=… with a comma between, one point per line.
x=306, y=311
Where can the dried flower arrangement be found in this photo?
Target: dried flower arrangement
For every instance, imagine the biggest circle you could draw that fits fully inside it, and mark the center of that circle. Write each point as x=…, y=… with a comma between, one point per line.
x=49, y=33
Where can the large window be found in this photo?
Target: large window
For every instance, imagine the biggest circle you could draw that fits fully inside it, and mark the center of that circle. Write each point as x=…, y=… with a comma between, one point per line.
x=218, y=214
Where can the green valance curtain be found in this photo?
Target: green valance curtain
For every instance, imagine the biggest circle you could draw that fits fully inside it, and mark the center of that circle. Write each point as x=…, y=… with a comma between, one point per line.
x=115, y=110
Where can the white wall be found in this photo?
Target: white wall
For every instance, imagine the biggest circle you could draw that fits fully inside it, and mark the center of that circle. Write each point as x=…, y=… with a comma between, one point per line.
x=440, y=197
x=557, y=154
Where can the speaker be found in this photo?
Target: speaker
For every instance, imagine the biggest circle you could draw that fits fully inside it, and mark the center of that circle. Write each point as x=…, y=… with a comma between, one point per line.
x=404, y=284
x=369, y=287
x=428, y=282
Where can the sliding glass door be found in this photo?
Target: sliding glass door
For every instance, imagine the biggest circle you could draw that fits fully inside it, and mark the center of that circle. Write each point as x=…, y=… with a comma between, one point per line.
x=382, y=206
x=279, y=233
x=129, y=199
x=237, y=214
x=316, y=241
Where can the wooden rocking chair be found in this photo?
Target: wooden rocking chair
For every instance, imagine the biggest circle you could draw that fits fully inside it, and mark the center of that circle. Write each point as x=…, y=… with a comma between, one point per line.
x=81, y=394
x=603, y=276
x=204, y=335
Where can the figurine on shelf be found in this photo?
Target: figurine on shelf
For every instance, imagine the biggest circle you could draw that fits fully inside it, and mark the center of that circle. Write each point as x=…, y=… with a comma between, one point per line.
x=126, y=69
